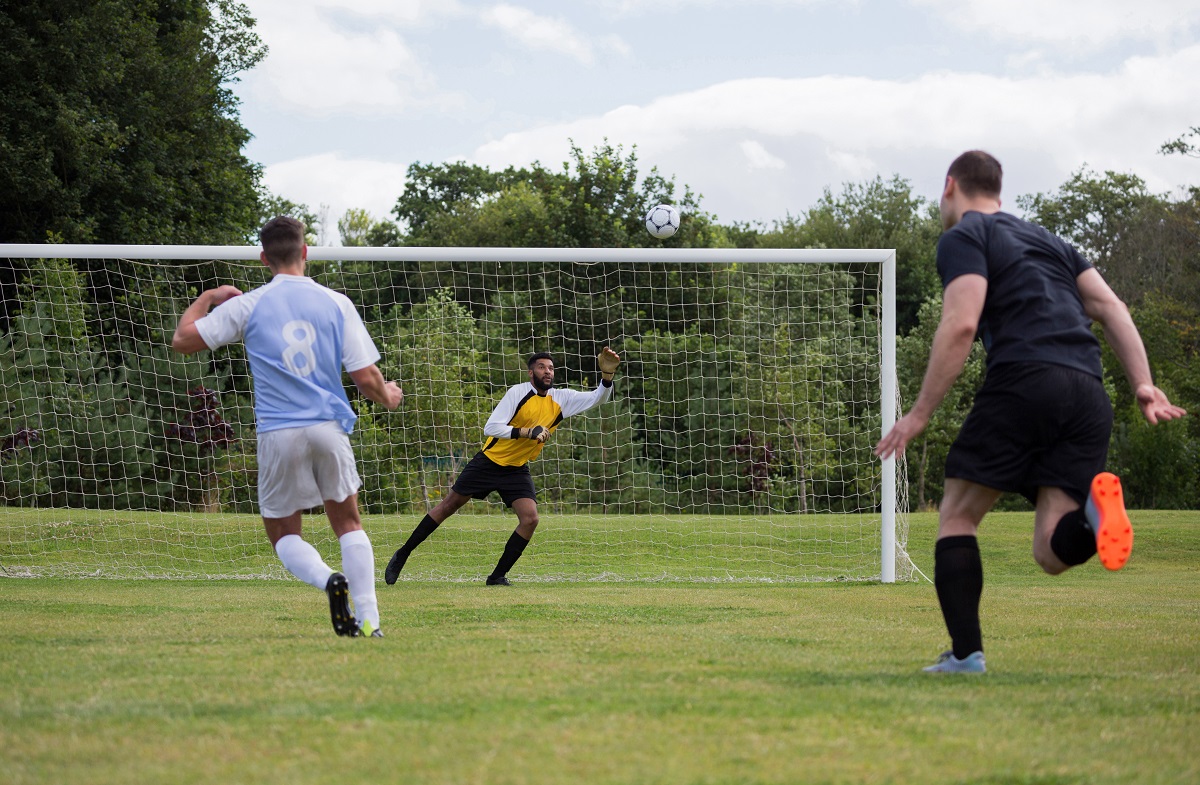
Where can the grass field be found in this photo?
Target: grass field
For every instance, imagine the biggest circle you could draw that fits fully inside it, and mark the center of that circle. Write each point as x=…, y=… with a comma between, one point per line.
x=1093, y=679
x=38, y=542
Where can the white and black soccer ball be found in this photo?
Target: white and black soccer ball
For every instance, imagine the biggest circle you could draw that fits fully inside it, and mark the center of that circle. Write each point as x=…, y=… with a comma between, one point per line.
x=662, y=221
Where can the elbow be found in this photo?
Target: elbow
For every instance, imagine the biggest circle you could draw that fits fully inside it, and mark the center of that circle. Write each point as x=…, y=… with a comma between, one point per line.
x=1111, y=312
x=962, y=332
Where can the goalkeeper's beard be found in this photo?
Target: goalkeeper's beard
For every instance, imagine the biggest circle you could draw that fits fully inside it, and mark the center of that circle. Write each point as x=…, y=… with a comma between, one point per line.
x=542, y=386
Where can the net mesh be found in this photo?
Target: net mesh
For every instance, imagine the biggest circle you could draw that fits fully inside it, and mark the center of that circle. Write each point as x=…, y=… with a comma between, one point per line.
x=737, y=445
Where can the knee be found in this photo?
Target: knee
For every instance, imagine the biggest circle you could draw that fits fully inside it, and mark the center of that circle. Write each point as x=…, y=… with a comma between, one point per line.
x=527, y=521
x=1044, y=555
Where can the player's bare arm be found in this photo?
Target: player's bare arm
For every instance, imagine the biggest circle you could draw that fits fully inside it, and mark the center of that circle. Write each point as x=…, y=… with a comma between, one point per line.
x=370, y=383
x=1102, y=305
x=962, y=305
x=187, y=338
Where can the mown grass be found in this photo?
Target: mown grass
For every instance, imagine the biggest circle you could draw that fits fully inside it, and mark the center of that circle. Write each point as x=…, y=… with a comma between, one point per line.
x=111, y=543
x=1093, y=679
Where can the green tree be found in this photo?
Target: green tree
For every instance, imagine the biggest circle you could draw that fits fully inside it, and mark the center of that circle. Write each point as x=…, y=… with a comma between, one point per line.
x=688, y=387
x=609, y=471
x=359, y=228
x=125, y=436
x=272, y=206
x=1187, y=143
x=874, y=214
x=811, y=386
x=1160, y=464
x=117, y=126
x=1139, y=241
x=437, y=354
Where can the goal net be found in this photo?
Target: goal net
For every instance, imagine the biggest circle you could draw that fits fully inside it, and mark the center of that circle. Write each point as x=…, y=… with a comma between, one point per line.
x=738, y=444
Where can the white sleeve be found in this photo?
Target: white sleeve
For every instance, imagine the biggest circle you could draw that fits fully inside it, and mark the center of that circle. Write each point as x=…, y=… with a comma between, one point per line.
x=358, y=350
x=227, y=322
x=498, y=424
x=573, y=402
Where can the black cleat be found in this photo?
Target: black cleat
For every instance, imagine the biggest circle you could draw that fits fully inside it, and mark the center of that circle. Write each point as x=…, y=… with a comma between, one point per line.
x=493, y=580
x=394, y=567
x=338, y=589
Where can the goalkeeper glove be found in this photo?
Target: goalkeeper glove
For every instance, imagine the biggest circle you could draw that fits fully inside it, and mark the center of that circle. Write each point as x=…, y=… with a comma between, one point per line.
x=607, y=361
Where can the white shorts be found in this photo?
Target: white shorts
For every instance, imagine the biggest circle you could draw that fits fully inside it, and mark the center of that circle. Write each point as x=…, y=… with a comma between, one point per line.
x=299, y=468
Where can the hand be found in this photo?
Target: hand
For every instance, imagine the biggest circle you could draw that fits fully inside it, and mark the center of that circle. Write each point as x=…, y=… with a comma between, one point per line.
x=904, y=431
x=608, y=360
x=394, y=396
x=1155, y=406
x=537, y=433
x=221, y=294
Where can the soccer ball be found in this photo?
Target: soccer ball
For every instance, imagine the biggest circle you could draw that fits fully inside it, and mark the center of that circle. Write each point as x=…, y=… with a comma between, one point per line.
x=662, y=221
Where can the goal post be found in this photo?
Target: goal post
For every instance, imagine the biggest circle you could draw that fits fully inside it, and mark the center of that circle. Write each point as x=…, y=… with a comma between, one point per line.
x=737, y=447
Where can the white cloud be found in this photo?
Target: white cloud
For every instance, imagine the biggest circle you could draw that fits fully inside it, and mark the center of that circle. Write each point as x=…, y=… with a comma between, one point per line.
x=407, y=12
x=552, y=34
x=759, y=158
x=1076, y=25
x=851, y=165
x=339, y=55
x=641, y=7
x=1042, y=127
x=339, y=183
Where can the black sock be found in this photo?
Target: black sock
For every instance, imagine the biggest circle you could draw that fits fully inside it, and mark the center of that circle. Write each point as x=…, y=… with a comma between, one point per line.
x=512, y=551
x=420, y=534
x=1073, y=541
x=958, y=576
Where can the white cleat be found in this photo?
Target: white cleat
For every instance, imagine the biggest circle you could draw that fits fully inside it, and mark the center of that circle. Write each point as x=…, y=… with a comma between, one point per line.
x=948, y=663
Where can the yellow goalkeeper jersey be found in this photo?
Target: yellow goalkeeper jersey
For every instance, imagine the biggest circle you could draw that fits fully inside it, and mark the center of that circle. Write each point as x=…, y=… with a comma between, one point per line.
x=523, y=407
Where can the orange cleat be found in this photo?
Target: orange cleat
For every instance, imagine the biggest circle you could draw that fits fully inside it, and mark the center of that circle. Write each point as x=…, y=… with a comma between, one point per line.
x=1106, y=512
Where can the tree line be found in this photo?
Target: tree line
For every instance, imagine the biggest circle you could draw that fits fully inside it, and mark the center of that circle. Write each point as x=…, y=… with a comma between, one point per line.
x=118, y=126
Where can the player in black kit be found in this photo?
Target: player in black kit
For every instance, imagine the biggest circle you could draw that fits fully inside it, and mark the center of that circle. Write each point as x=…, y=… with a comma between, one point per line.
x=1040, y=424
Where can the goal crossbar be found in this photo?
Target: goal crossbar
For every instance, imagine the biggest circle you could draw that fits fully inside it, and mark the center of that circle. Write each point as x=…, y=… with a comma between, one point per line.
x=453, y=254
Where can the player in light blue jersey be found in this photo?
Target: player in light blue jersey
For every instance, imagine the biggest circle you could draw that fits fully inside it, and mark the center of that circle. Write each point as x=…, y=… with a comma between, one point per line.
x=299, y=336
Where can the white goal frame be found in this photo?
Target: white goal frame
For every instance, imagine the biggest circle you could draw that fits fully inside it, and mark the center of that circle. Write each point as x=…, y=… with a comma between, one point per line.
x=885, y=258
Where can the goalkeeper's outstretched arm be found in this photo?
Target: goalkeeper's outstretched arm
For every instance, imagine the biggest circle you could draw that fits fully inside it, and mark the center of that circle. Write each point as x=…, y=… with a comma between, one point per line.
x=576, y=402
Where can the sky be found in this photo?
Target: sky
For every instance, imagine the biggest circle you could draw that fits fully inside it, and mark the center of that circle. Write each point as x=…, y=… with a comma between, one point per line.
x=757, y=105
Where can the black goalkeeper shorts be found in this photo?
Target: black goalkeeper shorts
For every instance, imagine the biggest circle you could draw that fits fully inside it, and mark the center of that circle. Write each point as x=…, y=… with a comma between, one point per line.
x=482, y=476
x=1034, y=425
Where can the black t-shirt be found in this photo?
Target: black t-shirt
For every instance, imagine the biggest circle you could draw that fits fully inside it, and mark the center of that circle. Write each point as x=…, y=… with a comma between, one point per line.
x=1033, y=311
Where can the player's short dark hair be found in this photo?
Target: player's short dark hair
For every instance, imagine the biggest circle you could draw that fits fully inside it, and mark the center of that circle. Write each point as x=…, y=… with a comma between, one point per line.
x=539, y=356
x=977, y=173
x=282, y=240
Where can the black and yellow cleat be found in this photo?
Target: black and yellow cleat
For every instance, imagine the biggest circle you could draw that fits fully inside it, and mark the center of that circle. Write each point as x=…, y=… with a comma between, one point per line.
x=338, y=589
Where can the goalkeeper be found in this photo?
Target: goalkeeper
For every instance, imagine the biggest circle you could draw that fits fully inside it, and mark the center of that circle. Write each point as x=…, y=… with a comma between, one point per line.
x=514, y=435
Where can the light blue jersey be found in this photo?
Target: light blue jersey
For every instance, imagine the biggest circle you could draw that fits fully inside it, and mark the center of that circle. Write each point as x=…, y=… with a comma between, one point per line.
x=299, y=336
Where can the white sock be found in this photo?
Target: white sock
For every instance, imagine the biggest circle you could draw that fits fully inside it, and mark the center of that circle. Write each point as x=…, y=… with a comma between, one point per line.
x=358, y=563
x=303, y=561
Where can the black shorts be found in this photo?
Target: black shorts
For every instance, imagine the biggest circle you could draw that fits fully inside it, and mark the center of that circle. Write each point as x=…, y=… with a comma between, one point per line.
x=482, y=475
x=1034, y=425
